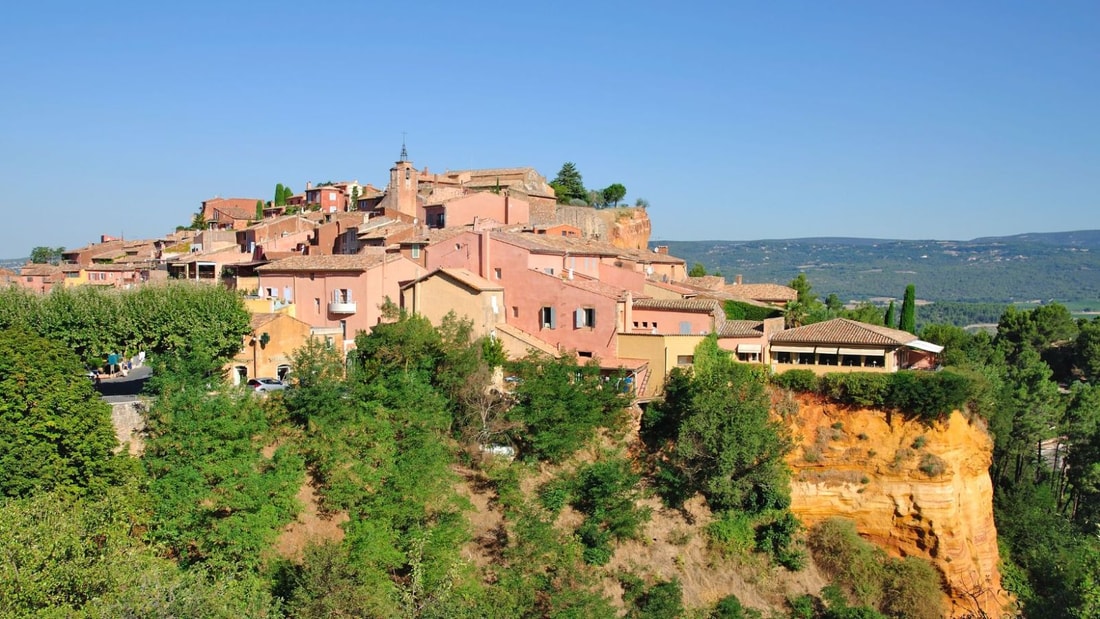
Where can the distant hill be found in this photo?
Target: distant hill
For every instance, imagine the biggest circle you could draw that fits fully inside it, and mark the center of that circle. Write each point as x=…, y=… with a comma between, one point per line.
x=1058, y=266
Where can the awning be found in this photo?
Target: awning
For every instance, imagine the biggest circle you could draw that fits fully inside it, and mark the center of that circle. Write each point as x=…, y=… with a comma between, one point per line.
x=926, y=346
x=866, y=352
x=794, y=349
x=749, y=348
x=826, y=350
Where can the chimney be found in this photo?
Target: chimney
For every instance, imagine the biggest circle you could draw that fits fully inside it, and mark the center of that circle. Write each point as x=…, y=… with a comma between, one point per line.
x=661, y=249
x=737, y=279
x=628, y=312
x=309, y=185
x=483, y=253
x=507, y=210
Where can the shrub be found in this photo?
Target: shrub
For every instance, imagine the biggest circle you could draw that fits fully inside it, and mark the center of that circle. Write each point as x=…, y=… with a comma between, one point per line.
x=927, y=395
x=731, y=534
x=664, y=600
x=908, y=588
x=851, y=561
x=729, y=607
x=919, y=442
x=858, y=388
x=554, y=494
x=802, y=381
x=932, y=465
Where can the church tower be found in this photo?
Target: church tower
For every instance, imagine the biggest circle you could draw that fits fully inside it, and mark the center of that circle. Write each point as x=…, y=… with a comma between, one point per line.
x=402, y=190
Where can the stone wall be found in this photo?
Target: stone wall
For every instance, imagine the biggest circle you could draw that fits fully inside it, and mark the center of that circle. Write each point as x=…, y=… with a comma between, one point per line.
x=128, y=419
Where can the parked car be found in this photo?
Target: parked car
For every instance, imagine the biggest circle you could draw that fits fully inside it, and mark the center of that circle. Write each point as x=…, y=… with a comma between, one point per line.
x=264, y=385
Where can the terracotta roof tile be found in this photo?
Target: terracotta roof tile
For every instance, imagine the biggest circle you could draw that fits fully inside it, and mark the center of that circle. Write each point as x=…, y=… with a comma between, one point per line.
x=707, y=306
x=740, y=328
x=39, y=270
x=337, y=262
x=763, y=292
x=844, y=331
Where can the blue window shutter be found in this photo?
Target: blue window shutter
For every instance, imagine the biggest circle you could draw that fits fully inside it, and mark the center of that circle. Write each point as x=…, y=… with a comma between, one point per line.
x=578, y=318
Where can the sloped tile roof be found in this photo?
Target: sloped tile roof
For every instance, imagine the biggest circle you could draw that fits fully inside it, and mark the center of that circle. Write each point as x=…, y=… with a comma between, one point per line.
x=706, y=282
x=39, y=270
x=470, y=279
x=844, y=331
x=337, y=262
x=763, y=292
x=740, y=328
x=707, y=306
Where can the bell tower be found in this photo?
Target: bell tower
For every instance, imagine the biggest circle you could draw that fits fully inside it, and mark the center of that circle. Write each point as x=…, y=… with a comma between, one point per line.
x=402, y=190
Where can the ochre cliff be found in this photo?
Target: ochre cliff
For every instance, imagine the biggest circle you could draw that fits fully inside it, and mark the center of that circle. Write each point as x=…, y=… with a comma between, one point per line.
x=623, y=227
x=914, y=490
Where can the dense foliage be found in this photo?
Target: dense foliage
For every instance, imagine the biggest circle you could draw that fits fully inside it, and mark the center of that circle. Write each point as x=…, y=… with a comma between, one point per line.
x=181, y=319
x=928, y=396
x=57, y=432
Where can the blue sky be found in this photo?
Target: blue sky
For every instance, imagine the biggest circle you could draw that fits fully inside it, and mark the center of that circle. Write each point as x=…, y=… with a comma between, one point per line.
x=735, y=120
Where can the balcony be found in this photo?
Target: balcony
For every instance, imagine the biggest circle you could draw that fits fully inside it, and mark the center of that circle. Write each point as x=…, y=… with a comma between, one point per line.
x=341, y=307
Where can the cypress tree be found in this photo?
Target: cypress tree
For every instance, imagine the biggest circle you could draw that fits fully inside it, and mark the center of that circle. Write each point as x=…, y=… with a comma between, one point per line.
x=288, y=193
x=259, y=209
x=280, y=195
x=909, y=310
x=890, y=319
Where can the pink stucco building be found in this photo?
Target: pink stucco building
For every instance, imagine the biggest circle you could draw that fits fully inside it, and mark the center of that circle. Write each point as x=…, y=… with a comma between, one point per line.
x=342, y=292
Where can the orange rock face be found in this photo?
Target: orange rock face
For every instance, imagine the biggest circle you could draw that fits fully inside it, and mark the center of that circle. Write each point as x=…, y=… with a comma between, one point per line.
x=630, y=228
x=914, y=490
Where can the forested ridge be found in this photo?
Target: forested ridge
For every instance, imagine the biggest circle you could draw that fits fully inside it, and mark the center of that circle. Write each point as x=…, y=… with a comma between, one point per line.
x=1063, y=267
x=387, y=441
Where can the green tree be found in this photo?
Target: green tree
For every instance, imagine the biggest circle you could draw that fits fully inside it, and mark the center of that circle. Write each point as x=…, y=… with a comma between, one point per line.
x=559, y=405
x=833, y=303
x=1087, y=349
x=613, y=194
x=727, y=446
x=805, y=292
x=280, y=195
x=568, y=184
x=288, y=193
x=46, y=255
x=641, y=203
x=57, y=431
x=697, y=270
x=908, y=320
x=889, y=319
x=259, y=209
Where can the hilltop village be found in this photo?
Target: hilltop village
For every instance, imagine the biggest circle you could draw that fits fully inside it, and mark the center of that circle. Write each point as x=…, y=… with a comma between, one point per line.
x=493, y=246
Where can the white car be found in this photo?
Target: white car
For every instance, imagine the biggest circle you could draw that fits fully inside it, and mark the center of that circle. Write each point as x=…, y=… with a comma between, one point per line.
x=264, y=385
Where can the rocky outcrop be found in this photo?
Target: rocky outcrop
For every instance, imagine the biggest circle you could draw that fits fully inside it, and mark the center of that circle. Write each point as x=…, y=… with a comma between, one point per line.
x=914, y=490
x=622, y=227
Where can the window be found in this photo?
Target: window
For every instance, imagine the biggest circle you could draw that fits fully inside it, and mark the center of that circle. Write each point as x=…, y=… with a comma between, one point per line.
x=415, y=252
x=748, y=356
x=584, y=317
x=272, y=293
x=806, y=358
x=317, y=305
x=515, y=311
x=496, y=272
x=682, y=360
x=783, y=357
x=548, y=270
x=584, y=354
x=341, y=295
x=548, y=318
x=635, y=324
x=332, y=196
x=344, y=329
x=685, y=327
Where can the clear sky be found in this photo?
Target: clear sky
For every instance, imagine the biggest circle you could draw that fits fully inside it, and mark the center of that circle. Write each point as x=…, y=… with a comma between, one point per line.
x=736, y=120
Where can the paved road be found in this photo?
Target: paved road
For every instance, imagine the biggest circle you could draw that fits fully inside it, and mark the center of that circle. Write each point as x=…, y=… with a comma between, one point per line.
x=125, y=389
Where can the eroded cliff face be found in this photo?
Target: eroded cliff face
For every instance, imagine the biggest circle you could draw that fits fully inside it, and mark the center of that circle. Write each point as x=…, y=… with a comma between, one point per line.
x=622, y=227
x=911, y=489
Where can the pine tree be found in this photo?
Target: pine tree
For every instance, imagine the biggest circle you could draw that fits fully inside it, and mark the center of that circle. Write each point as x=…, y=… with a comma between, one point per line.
x=909, y=310
x=890, y=318
x=568, y=184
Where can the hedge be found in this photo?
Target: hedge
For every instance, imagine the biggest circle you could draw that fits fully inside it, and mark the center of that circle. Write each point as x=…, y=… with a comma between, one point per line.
x=927, y=395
